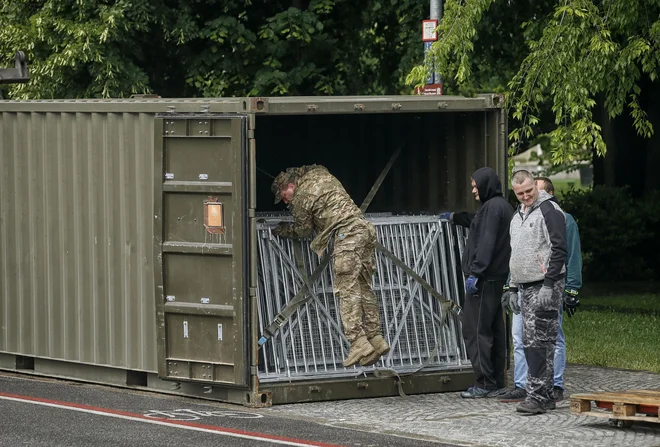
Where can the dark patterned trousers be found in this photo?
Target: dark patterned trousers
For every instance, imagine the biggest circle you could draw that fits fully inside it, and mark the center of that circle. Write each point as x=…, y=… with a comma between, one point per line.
x=540, y=327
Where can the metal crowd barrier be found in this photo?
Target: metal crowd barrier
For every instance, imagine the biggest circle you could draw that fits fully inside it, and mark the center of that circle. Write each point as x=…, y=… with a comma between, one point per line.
x=311, y=343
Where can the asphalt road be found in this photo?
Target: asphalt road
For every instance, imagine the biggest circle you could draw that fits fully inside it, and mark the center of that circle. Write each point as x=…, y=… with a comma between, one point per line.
x=46, y=412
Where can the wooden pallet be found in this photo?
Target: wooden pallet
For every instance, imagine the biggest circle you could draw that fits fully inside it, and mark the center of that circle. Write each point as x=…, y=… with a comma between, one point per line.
x=622, y=408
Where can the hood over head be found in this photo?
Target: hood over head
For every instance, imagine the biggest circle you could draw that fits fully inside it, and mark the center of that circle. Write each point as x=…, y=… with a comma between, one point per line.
x=488, y=184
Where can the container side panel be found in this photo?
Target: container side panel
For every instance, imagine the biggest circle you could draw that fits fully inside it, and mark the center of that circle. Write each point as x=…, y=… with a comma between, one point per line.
x=76, y=237
x=73, y=157
x=48, y=317
x=24, y=221
x=98, y=317
x=39, y=268
x=142, y=324
x=7, y=230
x=115, y=177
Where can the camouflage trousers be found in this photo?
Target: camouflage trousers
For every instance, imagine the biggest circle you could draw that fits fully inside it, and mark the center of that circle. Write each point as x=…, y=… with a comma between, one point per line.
x=354, y=263
x=539, y=334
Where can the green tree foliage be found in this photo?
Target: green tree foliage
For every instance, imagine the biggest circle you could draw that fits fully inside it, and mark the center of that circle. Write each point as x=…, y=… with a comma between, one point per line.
x=576, y=52
x=617, y=232
x=189, y=48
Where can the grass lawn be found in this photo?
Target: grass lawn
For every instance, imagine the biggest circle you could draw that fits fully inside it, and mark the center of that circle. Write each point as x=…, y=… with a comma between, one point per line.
x=646, y=301
x=615, y=339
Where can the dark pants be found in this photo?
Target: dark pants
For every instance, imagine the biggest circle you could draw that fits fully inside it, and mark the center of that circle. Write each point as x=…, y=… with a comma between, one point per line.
x=540, y=326
x=485, y=335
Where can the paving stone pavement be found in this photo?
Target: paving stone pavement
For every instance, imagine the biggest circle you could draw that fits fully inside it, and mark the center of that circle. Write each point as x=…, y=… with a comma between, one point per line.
x=487, y=422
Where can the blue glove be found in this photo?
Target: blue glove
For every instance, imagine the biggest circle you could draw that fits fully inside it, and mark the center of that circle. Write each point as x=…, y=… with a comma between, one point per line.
x=471, y=285
x=446, y=216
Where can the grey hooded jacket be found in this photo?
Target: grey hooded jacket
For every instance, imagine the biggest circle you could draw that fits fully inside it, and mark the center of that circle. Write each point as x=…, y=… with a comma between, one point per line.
x=538, y=243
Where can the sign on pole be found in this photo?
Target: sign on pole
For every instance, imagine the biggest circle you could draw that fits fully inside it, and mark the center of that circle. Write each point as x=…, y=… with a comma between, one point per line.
x=429, y=33
x=434, y=82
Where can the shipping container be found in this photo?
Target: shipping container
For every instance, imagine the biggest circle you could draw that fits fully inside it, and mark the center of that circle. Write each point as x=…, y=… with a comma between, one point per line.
x=130, y=230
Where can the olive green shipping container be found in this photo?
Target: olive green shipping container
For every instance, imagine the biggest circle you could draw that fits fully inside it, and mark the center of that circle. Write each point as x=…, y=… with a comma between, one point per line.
x=109, y=233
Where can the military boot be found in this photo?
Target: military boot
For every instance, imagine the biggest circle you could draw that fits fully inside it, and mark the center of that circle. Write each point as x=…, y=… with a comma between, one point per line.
x=380, y=348
x=359, y=348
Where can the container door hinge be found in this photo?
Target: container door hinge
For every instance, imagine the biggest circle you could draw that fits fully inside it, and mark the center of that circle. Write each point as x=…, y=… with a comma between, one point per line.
x=252, y=291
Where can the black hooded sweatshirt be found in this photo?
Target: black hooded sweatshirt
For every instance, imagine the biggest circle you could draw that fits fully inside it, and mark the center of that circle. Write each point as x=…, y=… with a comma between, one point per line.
x=488, y=247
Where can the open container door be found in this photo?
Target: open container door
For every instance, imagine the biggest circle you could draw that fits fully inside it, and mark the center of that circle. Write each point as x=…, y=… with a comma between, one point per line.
x=200, y=238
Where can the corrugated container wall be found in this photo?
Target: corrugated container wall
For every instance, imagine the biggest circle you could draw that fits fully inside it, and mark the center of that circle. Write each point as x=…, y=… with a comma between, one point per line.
x=76, y=206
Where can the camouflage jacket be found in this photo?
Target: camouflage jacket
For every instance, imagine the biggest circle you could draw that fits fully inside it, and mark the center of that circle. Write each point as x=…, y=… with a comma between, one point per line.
x=320, y=203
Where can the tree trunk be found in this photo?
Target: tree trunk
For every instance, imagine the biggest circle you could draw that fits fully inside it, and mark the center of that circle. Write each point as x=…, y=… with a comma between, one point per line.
x=653, y=144
x=631, y=160
x=604, y=167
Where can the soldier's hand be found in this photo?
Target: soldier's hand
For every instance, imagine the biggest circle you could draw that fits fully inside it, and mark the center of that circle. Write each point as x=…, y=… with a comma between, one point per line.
x=284, y=229
x=571, y=302
x=279, y=229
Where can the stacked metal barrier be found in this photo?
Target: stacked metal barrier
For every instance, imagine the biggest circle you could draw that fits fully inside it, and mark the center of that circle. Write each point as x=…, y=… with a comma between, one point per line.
x=311, y=343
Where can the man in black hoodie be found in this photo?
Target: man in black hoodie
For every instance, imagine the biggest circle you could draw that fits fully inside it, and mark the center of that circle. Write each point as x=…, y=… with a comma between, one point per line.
x=486, y=267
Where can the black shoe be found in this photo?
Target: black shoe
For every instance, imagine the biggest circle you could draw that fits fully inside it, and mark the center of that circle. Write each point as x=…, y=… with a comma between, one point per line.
x=497, y=393
x=474, y=392
x=514, y=395
x=558, y=394
x=530, y=406
x=550, y=405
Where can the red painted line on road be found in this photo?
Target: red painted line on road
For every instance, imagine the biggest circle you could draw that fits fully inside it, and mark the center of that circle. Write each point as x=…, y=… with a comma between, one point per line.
x=158, y=421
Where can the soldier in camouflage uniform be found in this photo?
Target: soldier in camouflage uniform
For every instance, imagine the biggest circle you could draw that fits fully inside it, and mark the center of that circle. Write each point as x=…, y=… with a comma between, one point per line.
x=319, y=203
x=537, y=268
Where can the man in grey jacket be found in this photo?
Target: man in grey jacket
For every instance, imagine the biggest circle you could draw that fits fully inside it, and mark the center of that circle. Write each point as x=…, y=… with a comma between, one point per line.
x=537, y=269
